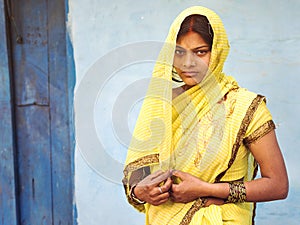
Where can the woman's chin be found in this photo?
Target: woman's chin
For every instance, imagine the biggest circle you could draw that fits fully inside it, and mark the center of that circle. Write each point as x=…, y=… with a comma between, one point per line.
x=191, y=82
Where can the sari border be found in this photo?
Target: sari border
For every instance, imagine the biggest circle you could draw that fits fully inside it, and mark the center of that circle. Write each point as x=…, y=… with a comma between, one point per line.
x=260, y=132
x=140, y=162
x=242, y=131
x=198, y=204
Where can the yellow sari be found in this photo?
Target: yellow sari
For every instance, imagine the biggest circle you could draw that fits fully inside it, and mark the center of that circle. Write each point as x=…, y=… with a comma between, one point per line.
x=204, y=131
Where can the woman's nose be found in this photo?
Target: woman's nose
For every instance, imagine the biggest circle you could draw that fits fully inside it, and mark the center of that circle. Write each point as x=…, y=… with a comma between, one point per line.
x=189, y=60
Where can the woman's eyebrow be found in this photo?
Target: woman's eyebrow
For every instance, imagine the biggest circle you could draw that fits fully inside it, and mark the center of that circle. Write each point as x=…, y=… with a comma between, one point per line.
x=194, y=49
x=200, y=47
x=177, y=46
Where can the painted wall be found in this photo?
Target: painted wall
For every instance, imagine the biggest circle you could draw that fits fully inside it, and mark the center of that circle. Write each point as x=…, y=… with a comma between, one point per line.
x=265, y=42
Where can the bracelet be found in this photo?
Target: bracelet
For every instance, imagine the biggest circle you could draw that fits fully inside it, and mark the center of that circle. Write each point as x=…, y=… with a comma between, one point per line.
x=237, y=192
x=134, y=198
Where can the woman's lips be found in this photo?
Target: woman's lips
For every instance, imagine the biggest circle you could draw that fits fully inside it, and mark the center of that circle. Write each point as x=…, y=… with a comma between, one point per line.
x=190, y=73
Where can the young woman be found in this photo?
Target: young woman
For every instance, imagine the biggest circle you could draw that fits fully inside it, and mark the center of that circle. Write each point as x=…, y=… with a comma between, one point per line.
x=196, y=148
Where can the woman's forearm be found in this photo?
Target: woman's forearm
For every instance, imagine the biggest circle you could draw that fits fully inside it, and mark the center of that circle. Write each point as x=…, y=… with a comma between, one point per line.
x=273, y=183
x=259, y=190
x=266, y=189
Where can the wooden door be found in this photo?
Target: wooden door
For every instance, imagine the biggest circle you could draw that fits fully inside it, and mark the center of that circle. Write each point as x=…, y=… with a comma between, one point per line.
x=37, y=145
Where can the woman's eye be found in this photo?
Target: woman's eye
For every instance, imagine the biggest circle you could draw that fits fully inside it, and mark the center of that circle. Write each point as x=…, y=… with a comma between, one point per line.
x=201, y=52
x=179, y=52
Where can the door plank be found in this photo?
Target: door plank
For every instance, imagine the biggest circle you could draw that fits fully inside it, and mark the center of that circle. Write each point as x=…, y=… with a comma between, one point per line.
x=31, y=76
x=8, y=209
x=34, y=163
x=61, y=142
x=31, y=57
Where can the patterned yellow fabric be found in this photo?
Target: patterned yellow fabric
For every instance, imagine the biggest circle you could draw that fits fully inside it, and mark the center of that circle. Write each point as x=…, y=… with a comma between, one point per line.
x=201, y=132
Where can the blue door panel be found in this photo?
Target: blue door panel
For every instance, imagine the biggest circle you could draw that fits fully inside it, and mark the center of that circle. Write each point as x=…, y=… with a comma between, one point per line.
x=31, y=58
x=36, y=114
x=61, y=92
x=34, y=165
x=30, y=70
x=8, y=208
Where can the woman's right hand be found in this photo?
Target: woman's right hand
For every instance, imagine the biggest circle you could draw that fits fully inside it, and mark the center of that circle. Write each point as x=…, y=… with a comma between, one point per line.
x=149, y=188
x=214, y=201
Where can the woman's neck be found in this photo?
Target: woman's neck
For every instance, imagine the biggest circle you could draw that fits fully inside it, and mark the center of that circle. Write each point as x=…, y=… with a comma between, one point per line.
x=179, y=90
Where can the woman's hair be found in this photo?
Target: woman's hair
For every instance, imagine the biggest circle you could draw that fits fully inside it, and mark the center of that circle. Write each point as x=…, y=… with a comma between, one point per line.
x=198, y=24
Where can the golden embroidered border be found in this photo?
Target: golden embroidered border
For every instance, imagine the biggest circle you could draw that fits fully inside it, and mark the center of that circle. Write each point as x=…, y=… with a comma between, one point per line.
x=242, y=131
x=198, y=204
x=260, y=132
x=143, y=161
x=238, y=141
x=140, y=162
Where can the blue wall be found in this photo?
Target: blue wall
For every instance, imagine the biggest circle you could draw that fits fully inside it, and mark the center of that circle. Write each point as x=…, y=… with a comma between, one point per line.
x=265, y=42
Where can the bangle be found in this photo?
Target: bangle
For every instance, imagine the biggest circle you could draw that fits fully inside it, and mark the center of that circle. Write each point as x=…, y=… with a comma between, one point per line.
x=237, y=192
x=134, y=198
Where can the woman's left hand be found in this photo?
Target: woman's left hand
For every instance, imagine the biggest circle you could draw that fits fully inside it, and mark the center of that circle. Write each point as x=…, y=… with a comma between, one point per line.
x=189, y=188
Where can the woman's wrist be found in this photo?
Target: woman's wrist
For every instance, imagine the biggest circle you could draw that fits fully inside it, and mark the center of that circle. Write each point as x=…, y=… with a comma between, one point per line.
x=219, y=190
x=237, y=192
x=133, y=197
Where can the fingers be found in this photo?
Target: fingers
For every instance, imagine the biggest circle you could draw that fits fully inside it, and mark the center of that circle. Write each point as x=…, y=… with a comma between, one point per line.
x=159, y=177
x=178, y=197
x=156, y=188
x=177, y=192
x=159, y=201
x=161, y=190
x=158, y=196
x=167, y=185
x=179, y=174
x=156, y=174
x=152, y=179
x=160, y=186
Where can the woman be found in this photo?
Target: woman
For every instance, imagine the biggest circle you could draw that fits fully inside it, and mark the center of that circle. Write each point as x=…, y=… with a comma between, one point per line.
x=196, y=148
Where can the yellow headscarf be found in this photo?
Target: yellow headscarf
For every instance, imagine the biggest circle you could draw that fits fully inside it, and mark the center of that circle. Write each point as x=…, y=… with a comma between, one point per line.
x=153, y=130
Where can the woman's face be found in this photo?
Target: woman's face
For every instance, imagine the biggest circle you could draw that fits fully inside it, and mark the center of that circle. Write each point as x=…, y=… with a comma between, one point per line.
x=191, y=58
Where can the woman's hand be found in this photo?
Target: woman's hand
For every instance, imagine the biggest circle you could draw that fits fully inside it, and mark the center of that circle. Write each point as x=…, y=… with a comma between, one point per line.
x=189, y=188
x=214, y=201
x=149, y=188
